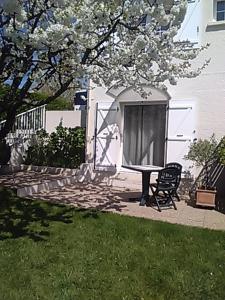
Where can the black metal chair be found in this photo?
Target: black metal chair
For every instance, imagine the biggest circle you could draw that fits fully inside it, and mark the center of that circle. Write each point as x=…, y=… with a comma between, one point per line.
x=165, y=187
x=178, y=167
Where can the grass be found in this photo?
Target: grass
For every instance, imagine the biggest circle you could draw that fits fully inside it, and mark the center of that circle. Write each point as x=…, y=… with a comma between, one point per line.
x=55, y=252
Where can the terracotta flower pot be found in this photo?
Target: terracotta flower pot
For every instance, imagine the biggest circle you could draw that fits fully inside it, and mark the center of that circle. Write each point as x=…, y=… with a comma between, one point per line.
x=205, y=197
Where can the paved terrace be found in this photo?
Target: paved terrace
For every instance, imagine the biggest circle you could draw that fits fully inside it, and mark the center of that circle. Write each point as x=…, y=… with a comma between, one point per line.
x=112, y=199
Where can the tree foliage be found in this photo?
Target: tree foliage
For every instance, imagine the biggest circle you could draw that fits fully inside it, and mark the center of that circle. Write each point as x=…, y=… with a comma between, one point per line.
x=59, y=42
x=59, y=103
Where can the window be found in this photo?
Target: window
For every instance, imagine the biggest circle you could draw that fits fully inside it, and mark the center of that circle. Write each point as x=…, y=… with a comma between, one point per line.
x=220, y=10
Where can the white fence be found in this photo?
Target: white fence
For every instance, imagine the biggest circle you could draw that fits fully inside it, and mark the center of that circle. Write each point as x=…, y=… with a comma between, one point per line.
x=25, y=127
x=27, y=124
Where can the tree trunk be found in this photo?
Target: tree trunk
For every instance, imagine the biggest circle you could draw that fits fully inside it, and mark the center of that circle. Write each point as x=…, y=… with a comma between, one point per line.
x=7, y=127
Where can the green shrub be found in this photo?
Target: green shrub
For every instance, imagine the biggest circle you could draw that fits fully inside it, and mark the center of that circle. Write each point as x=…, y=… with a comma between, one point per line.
x=59, y=103
x=201, y=152
x=63, y=148
x=221, y=151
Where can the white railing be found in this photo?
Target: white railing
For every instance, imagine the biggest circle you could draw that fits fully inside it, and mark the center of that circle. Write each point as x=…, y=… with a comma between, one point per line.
x=27, y=124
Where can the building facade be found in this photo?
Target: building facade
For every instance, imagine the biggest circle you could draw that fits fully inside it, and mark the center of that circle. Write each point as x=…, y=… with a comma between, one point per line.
x=124, y=129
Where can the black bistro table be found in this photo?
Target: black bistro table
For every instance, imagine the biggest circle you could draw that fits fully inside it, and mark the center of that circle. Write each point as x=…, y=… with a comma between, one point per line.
x=146, y=171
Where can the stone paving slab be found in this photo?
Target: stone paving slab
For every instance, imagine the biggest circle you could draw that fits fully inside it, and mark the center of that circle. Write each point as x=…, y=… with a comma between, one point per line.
x=105, y=198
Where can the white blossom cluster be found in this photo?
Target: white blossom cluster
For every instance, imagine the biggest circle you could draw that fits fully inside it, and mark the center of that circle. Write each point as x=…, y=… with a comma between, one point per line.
x=61, y=41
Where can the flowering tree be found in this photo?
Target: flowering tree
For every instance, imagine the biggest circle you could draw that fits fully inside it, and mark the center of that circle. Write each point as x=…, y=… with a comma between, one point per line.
x=58, y=42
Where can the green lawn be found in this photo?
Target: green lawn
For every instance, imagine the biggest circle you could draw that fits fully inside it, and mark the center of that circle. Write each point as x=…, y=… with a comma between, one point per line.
x=55, y=252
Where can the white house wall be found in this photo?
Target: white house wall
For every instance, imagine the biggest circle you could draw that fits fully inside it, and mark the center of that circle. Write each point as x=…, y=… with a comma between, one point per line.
x=207, y=91
x=67, y=118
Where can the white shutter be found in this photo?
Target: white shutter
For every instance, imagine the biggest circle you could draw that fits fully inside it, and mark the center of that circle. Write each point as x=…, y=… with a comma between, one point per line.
x=107, y=136
x=181, y=131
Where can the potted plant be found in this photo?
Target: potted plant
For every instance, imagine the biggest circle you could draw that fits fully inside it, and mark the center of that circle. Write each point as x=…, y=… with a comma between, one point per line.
x=203, y=152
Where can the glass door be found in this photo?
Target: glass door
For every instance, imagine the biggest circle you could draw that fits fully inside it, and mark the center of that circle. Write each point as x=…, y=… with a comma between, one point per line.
x=144, y=134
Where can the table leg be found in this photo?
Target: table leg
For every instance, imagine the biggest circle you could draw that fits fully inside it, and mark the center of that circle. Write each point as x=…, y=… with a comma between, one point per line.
x=145, y=188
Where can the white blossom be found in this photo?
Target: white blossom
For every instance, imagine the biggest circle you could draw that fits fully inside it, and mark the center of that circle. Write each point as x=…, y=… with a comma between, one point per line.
x=103, y=40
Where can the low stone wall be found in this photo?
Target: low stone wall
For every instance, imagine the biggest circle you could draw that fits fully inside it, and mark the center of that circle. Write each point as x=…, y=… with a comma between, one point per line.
x=42, y=169
x=62, y=177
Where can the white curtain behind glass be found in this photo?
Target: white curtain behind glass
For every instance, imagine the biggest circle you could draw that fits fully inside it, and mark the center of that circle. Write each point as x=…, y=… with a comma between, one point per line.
x=144, y=134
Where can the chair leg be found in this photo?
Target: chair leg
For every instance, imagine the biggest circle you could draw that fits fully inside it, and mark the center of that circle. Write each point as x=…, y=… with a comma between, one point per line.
x=171, y=199
x=154, y=197
x=176, y=195
x=152, y=190
x=167, y=196
x=157, y=203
